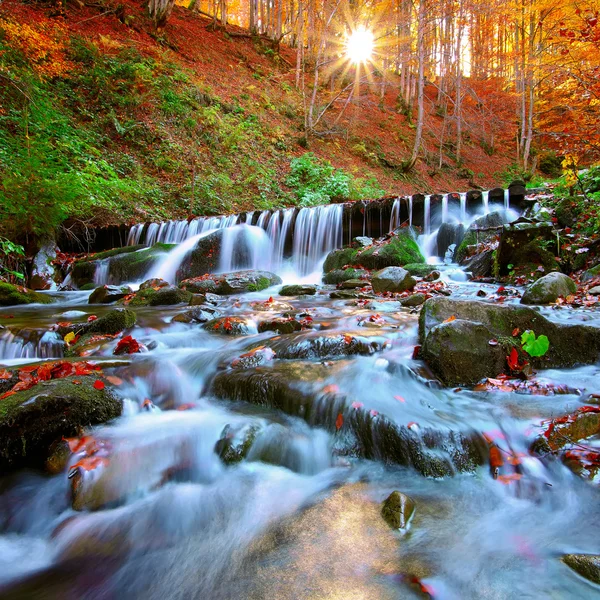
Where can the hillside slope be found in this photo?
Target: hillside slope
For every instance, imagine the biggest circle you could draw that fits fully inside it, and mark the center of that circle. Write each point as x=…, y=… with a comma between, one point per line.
x=103, y=121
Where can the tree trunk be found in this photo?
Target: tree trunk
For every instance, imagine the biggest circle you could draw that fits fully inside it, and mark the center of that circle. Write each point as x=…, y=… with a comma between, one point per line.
x=160, y=11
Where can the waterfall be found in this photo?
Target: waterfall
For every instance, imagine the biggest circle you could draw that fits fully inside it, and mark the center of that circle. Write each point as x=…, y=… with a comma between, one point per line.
x=463, y=207
x=245, y=247
x=166, y=268
x=410, y=211
x=30, y=343
x=444, y=208
x=506, y=199
x=485, y=197
x=395, y=215
x=101, y=274
x=427, y=215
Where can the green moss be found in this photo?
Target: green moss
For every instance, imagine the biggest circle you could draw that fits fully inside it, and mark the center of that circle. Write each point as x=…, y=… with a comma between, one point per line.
x=164, y=297
x=339, y=258
x=470, y=239
x=11, y=295
x=32, y=419
x=338, y=275
x=262, y=284
x=419, y=270
x=87, y=287
x=113, y=252
x=402, y=249
x=113, y=322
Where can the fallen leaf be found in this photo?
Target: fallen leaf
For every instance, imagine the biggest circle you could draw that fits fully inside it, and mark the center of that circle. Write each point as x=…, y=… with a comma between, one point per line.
x=450, y=319
x=114, y=380
x=68, y=339
x=4, y=374
x=339, y=422
x=92, y=318
x=99, y=385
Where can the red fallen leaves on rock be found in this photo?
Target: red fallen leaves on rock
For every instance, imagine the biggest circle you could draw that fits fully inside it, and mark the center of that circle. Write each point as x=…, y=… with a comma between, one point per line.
x=227, y=326
x=339, y=422
x=416, y=352
x=553, y=423
x=99, y=385
x=450, y=319
x=348, y=339
x=89, y=463
x=530, y=386
x=92, y=318
x=513, y=361
x=331, y=389
x=4, y=374
x=127, y=345
x=496, y=460
x=63, y=324
x=376, y=318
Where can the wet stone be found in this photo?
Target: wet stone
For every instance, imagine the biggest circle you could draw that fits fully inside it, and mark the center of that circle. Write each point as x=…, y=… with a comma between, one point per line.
x=200, y=314
x=105, y=294
x=281, y=325
x=392, y=279
x=587, y=565
x=298, y=290
x=233, y=326
x=397, y=510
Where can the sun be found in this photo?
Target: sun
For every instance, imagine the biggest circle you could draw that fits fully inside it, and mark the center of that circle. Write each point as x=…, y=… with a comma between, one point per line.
x=359, y=46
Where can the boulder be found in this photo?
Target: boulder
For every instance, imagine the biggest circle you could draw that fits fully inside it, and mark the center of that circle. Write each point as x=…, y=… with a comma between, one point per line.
x=42, y=271
x=111, y=323
x=281, y=325
x=106, y=294
x=233, y=326
x=392, y=279
x=31, y=420
x=13, y=295
x=235, y=442
x=226, y=284
x=353, y=284
x=154, y=283
x=398, y=250
x=483, y=230
x=592, y=273
x=397, y=510
x=481, y=264
x=323, y=345
x=459, y=352
x=548, y=289
x=570, y=345
x=339, y=275
x=362, y=241
x=587, y=565
x=164, y=296
x=420, y=270
x=199, y=314
x=515, y=237
x=448, y=234
x=124, y=264
x=286, y=386
x=298, y=290
x=337, y=259
x=413, y=300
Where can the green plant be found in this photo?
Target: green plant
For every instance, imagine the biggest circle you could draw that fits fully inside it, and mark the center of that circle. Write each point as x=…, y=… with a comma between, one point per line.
x=11, y=260
x=534, y=346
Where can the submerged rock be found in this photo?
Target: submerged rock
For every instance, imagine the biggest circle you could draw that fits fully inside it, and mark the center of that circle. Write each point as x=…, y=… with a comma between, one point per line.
x=235, y=442
x=13, y=295
x=199, y=314
x=397, y=510
x=548, y=289
x=392, y=279
x=449, y=234
x=587, y=565
x=432, y=452
x=315, y=344
x=164, y=296
x=339, y=275
x=31, y=420
x=281, y=325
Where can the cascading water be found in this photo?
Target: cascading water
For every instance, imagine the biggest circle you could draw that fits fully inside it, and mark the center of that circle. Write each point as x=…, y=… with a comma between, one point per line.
x=101, y=274
x=245, y=247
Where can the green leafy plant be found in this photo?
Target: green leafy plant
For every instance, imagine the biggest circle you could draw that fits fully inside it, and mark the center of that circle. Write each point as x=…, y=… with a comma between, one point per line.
x=11, y=260
x=534, y=346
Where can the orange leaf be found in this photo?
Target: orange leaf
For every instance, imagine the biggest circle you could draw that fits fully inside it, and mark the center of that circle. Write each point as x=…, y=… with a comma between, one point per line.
x=331, y=389
x=4, y=374
x=339, y=422
x=450, y=319
x=92, y=318
x=99, y=385
x=7, y=394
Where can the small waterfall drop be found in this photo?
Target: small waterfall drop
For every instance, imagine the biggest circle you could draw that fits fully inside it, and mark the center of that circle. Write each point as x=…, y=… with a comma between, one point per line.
x=445, y=208
x=167, y=267
x=410, y=211
x=463, y=207
x=485, y=197
x=506, y=199
x=245, y=247
x=101, y=274
x=427, y=215
x=395, y=215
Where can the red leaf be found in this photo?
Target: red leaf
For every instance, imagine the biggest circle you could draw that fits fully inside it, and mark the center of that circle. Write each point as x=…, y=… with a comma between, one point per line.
x=339, y=422
x=416, y=351
x=92, y=318
x=127, y=345
x=4, y=374
x=99, y=385
x=7, y=394
x=450, y=319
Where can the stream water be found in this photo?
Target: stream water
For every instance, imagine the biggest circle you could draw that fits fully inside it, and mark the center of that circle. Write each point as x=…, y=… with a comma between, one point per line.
x=298, y=518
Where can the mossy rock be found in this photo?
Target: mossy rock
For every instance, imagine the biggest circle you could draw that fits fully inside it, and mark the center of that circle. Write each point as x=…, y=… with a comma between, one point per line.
x=419, y=269
x=397, y=510
x=298, y=290
x=587, y=565
x=112, y=322
x=527, y=259
x=592, y=273
x=166, y=296
x=548, y=289
x=338, y=275
x=402, y=249
x=234, y=445
x=31, y=420
x=226, y=284
x=12, y=295
x=126, y=264
x=337, y=259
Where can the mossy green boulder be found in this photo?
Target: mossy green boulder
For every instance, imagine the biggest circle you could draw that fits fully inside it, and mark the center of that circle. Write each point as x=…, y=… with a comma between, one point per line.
x=125, y=264
x=13, y=295
x=226, y=284
x=340, y=275
x=401, y=249
x=165, y=296
x=548, y=289
x=32, y=419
